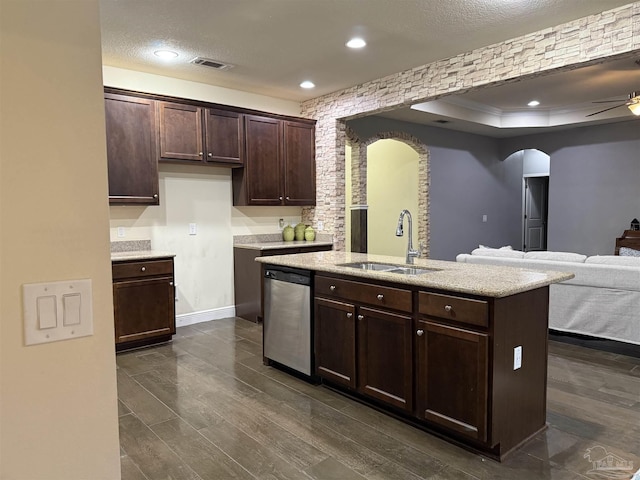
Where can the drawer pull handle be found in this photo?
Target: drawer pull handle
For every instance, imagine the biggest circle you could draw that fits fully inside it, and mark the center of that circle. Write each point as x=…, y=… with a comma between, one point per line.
x=349, y=315
x=380, y=297
x=448, y=308
x=332, y=288
x=360, y=317
x=420, y=333
x=144, y=269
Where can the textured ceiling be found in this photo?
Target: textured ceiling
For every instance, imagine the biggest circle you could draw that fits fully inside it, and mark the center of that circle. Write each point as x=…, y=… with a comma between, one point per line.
x=275, y=44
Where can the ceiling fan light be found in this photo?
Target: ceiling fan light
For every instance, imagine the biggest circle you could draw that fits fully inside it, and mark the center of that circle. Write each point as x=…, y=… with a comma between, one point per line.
x=635, y=108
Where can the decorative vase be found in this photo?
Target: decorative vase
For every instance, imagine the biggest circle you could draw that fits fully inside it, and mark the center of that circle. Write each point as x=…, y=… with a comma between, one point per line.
x=288, y=234
x=309, y=234
x=299, y=231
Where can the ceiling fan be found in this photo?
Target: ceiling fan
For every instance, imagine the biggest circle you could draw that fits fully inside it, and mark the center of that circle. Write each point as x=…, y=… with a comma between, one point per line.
x=632, y=102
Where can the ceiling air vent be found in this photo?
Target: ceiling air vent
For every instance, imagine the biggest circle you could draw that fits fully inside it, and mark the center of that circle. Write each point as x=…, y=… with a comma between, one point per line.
x=207, y=62
x=441, y=121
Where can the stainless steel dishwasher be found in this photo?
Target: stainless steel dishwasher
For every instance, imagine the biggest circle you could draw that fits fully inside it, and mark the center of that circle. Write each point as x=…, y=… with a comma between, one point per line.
x=287, y=329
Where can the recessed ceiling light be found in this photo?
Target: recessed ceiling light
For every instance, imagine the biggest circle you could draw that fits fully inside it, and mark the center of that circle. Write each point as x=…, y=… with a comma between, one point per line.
x=533, y=103
x=356, y=43
x=165, y=54
x=307, y=84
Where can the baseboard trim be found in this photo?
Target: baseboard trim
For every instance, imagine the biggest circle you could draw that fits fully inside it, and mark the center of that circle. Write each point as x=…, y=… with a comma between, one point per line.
x=597, y=343
x=192, y=318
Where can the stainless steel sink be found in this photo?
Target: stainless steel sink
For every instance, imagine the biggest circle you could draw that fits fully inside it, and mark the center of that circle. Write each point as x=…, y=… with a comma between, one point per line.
x=388, y=268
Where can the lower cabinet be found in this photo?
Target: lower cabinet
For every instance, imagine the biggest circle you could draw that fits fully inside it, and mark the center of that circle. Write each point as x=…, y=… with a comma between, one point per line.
x=362, y=348
x=445, y=361
x=144, y=302
x=452, y=378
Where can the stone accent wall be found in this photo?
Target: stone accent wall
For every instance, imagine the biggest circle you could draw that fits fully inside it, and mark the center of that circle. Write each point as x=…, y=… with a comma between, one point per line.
x=589, y=40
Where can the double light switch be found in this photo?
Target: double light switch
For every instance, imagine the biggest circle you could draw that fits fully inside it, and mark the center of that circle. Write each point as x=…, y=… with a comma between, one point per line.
x=57, y=311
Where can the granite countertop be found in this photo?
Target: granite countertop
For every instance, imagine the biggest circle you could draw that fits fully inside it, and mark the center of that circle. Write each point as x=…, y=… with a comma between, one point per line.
x=139, y=255
x=475, y=279
x=281, y=244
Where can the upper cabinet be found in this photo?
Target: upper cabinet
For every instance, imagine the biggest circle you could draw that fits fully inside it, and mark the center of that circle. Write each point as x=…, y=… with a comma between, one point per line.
x=280, y=163
x=131, y=150
x=189, y=133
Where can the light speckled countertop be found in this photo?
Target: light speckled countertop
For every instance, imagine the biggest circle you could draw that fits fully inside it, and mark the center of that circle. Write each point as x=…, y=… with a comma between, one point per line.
x=281, y=244
x=139, y=255
x=484, y=280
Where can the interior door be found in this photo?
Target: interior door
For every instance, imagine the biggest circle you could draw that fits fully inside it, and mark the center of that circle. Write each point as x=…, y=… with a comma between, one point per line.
x=536, y=197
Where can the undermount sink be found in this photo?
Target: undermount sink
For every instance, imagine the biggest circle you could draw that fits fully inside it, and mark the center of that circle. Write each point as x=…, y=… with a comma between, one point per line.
x=388, y=268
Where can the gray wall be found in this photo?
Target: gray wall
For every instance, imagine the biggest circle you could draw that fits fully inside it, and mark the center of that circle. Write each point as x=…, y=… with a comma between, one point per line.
x=594, y=183
x=468, y=180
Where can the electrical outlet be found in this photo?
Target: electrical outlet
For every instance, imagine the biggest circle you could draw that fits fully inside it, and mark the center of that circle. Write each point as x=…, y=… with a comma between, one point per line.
x=320, y=225
x=281, y=223
x=121, y=232
x=193, y=229
x=517, y=357
x=484, y=218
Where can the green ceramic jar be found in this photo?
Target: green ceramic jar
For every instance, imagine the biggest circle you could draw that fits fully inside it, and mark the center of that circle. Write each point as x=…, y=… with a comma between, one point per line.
x=288, y=234
x=299, y=231
x=309, y=234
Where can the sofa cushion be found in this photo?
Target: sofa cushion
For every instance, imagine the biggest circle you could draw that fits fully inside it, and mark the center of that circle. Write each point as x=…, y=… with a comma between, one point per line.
x=614, y=260
x=556, y=256
x=497, y=252
x=628, y=252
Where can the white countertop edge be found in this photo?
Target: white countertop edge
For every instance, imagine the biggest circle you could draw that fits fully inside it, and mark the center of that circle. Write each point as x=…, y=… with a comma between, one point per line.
x=140, y=255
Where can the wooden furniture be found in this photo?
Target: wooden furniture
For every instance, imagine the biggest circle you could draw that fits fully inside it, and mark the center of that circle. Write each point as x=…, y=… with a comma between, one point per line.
x=276, y=151
x=190, y=133
x=143, y=301
x=441, y=360
x=629, y=239
x=280, y=163
x=248, y=276
x=131, y=150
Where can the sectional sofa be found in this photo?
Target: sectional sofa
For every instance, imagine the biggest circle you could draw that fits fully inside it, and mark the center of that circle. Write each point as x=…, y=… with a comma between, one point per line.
x=602, y=300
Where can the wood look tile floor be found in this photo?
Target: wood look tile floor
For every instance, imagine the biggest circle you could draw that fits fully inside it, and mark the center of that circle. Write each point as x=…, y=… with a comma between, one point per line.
x=204, y=407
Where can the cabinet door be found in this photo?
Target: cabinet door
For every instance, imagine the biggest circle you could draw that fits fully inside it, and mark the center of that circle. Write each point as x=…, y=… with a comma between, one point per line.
x=181, y=132
x=262, y=169
x=385, y=357
x=335, y=342
x=224, y=137
x=299, y=164
x=452, y=378
x=143, y=309
x=131, y=150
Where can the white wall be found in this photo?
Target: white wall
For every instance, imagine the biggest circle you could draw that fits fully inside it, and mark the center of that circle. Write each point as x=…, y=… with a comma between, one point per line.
x=58, y=409
x=392, y=185
x=201, y=195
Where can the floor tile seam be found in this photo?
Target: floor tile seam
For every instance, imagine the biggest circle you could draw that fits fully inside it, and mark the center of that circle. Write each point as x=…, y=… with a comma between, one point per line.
x=610, y=418
x=176, y=415
x=205, y=439
x=579, y=390
x=589, y=362
x=593, y=441
x=135, y=464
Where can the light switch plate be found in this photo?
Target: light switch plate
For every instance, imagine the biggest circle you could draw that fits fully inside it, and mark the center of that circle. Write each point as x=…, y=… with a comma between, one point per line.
x=57, y=311
x=193, y=229
x=517, y=357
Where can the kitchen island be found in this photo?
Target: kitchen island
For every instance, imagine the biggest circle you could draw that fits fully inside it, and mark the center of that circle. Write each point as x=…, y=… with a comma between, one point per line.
x=459, y=350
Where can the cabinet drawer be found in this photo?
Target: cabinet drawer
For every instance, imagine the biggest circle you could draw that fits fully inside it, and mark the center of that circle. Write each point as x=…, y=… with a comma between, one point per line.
x=460, y=309
x=394, y=298
x=142, y=268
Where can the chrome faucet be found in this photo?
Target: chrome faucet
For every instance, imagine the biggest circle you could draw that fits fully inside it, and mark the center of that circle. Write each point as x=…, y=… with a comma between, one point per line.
x=411, y=253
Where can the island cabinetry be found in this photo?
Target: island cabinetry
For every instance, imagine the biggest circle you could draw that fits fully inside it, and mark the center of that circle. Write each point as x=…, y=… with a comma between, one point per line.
x=144, y=302
x=131, y=150
x=191, y=133
x=363, y=339
x=280, y=163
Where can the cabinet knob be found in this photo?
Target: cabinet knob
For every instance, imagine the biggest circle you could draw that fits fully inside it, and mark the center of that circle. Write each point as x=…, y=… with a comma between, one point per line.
x=287, y=198
x=280, y=197
x=448, y=308
x=380, y=297
x=360, y=317
x=420, y=333
x=200, y=153
x=332, y=288
x=171, y=284
x=144, y=269
x=210, y=154
x=155, y=195
x=349, y=315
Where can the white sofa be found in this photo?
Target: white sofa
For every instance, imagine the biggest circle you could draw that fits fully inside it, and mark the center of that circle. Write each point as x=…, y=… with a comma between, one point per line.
x=603, y=300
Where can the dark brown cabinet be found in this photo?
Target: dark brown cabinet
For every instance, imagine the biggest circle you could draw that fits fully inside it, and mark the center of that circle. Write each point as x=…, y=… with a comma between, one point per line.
x=247, y=278
x=131, y=150
x=144, y=302
x=280, y=163
x=452, y=378
x=363, y=348
x=189, y=133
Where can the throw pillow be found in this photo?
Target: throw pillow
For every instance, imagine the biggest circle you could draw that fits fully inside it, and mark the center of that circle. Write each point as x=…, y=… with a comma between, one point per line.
x=628, y=252
x=497, y=252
